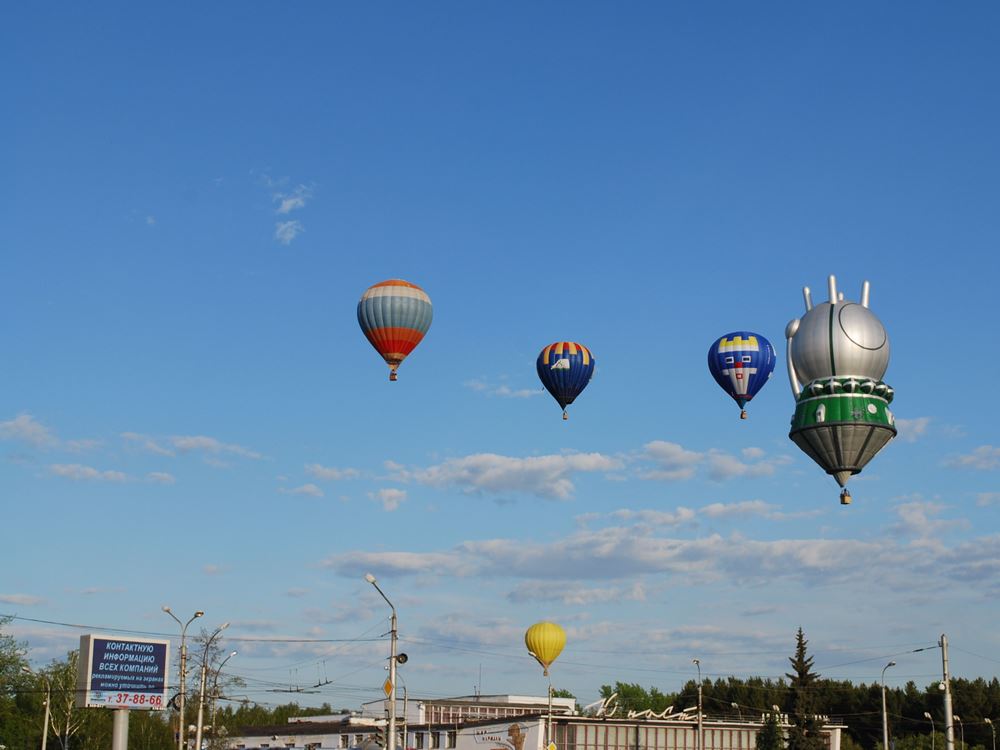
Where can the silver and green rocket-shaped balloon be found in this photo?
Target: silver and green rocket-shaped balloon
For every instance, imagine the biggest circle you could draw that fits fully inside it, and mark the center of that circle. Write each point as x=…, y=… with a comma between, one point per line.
x=837, y=354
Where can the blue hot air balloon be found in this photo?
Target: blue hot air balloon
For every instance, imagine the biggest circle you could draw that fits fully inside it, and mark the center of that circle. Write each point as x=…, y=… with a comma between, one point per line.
x=565, y=368
x=741, y=362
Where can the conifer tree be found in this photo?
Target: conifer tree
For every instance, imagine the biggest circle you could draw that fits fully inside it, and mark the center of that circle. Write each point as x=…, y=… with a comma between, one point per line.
x=806, y=732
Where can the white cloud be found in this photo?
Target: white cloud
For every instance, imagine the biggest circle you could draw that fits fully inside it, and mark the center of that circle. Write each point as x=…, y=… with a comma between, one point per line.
x=146, y=443
x=984, y=458
x=915, y=519
x=672, y=461
x=656, y=517
x=213, y=570
x=201, y=443
x=723, y=466
x=988, y=498
x=78, y=473
x=160, y=477
x=543, y=476
x=83, y=445
x=481, y=385
x=150, y=220
x=296, y=199
x=21, y=600
x=331, y=473
x=286, y=231
x=174, y=444
x=390, y=497
x=306, y=489
x=389, y=563
x=576, y=594
x=25, y=429
x=740, y=509
x=911, y=430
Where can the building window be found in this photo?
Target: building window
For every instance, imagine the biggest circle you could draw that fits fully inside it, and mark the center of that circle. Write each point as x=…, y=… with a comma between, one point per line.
x=344, y=741
x=358, y=739
x=418, y=738
x=452, y=740
x=435, y=740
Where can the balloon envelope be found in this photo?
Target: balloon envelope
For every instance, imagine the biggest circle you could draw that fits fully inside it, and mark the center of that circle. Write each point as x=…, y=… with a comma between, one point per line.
x=394, y=315
x=565, y=368
x=741, y=363
x=545, y=641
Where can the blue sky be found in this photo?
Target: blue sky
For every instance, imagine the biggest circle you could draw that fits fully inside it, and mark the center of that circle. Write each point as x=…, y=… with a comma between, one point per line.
x=196, y=197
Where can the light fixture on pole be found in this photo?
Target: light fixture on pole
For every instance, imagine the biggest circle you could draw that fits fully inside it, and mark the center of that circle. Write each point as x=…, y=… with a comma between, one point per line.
x=181, y=725
x=927, y=715
x=961, y=726
x=885, y=714
x=391, y=739
x=215, y=691
x=201, y=689
x=738, y=711
x=48, y=701
x=993, y=731
x=701, y=735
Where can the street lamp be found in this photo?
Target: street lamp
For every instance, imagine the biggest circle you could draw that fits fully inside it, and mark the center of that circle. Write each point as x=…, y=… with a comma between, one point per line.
x=701, y=734
x=391, y=740
x=738, y=711
x=48, y=700
x=201, y=689
x=961, y=726
x=927, y=715
x=885, y=715
x=215, y=691
x=181, y=726
x=992, y=731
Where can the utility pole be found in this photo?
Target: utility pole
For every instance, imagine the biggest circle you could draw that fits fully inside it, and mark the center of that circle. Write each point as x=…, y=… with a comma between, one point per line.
x=701, y=726
x=949, y=721
x=391, y=739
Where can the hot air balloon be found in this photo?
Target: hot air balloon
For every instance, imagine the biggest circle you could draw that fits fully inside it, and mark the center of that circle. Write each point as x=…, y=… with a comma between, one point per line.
x=565, y=368
x=741, y=363
x=394, y=315
x=545, y=641
x=837, y=354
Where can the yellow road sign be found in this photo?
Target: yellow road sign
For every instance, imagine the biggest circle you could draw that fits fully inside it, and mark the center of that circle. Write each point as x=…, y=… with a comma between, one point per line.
x=387, y=687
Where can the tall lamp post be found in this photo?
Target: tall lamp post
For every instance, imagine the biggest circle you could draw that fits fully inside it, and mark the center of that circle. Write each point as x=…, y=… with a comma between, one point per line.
x=391, y=739
x=961, y=726
x=201, y=689
x=927, y=715
x=992, y=731
x=182, y=726
x=701, y=734
x=215, y=691
x=885, y=714
x=48, y=701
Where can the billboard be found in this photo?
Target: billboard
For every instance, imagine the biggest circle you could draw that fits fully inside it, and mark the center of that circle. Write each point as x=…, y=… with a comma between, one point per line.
x=122, y=673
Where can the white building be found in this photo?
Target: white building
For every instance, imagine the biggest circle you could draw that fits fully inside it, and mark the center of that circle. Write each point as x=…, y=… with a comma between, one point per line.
x=508, y=723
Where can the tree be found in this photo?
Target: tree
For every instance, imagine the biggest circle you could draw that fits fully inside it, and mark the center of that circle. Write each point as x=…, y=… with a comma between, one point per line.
x=770, y=736
x=806, y=732
x=20, y=700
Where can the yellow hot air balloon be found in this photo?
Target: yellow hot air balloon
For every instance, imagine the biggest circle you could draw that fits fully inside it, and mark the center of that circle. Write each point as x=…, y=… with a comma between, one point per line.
x=545, y=641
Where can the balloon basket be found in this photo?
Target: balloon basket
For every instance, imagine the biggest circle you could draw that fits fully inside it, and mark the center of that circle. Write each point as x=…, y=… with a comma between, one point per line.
x=565, y=416
x=845, y=497
x=393, y=377
x=743, y=414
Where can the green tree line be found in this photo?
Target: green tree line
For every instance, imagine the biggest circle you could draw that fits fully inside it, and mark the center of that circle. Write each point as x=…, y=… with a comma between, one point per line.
x=802, y=695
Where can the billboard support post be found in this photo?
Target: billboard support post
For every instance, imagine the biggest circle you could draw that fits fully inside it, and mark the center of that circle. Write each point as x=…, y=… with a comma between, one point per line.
x=119, y=729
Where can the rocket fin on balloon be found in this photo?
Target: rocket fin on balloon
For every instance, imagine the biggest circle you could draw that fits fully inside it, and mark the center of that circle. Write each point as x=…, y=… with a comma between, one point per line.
x=741, y=363
x=837, y=354
x=394, y=315
x=565, y=368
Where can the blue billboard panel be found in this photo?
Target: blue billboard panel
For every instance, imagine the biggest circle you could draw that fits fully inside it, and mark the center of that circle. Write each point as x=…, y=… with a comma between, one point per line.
x=123, y=672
